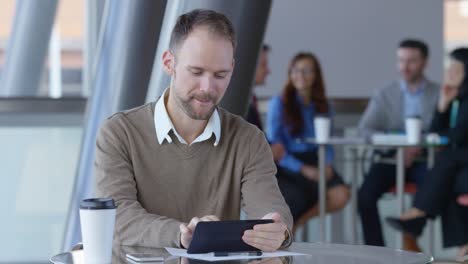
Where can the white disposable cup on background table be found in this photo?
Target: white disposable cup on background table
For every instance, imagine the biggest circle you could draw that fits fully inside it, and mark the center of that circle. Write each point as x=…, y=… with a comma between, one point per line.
x=413, y=128
x=322, y=129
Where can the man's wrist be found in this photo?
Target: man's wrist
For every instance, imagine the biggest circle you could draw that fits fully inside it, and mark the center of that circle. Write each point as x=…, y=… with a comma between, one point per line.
x=287, y=239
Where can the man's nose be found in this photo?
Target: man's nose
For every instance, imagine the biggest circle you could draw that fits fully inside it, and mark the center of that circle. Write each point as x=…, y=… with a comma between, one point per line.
x=206, y=84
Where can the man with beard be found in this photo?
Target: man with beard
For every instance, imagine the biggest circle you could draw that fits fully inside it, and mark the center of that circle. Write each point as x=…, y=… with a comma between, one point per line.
x=412, y=95
x=182, y=159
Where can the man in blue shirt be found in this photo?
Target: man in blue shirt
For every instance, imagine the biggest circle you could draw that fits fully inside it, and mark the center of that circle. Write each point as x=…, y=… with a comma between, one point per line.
x=412, y=95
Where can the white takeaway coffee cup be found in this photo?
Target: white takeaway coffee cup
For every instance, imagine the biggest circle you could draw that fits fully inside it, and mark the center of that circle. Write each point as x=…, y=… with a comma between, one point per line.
x=322, y=129
x=97, y=217
x=413, y=129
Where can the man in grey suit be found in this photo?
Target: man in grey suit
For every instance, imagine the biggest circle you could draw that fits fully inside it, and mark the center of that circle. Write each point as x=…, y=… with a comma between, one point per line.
x=412, y=95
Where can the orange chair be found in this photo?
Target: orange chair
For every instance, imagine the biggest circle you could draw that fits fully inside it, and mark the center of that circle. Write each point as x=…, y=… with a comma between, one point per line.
x=409, y=188
x=304, y=219
x=463, y=200
x=302, y=222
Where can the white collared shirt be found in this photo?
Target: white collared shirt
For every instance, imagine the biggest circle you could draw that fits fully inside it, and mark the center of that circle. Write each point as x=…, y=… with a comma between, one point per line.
x=161, y=117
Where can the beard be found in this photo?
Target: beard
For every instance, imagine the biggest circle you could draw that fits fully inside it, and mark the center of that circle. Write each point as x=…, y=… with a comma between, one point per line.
x=187, y=105
x=193, y=113
x=411, y=77
x=190, y=110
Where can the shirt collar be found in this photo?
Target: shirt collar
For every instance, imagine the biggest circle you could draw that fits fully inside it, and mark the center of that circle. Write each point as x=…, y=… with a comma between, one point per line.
x=165, y=125
x=419, y=89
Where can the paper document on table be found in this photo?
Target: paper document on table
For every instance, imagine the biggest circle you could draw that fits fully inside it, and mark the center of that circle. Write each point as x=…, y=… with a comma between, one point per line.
x=210, y=257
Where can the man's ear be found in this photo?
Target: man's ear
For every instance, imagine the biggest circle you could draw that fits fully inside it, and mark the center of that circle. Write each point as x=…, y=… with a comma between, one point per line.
x=425, y=63
x=233, y=63
x=168, y=60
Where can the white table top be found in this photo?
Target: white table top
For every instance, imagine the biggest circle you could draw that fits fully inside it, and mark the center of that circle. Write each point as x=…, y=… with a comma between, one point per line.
x=319, y=253
x=357, y=141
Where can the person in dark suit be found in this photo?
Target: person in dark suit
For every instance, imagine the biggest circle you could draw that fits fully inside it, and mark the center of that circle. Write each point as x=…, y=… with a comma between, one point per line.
x=449, y=177
x=253, y=114
x=261, y=73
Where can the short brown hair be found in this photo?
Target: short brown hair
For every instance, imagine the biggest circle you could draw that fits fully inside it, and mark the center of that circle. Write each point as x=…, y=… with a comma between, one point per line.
x=216, y=22
x=416, y=44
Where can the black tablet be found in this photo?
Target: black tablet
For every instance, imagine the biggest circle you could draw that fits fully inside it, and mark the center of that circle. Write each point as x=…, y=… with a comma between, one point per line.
x=222, y=236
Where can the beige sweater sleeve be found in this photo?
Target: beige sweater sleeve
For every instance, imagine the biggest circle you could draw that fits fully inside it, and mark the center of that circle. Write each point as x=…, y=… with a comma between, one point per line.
x=260, y=191
x=134, y=226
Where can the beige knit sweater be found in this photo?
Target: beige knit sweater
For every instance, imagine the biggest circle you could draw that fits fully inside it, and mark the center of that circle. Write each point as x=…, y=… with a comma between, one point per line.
x=157, y=187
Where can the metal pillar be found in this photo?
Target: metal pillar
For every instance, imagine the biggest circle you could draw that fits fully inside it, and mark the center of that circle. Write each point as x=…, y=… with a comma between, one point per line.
x=123, y=69
x=27, y=47
x=94, y=12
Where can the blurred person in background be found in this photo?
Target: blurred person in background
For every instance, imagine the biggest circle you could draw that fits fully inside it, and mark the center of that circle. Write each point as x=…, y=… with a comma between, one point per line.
x=261, y=73
x=291, y=117
x=448, y=180
x=253, y=114
x=412, y=95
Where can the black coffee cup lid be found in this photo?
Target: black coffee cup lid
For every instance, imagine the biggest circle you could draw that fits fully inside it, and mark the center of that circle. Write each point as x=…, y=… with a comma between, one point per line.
x=98, y=203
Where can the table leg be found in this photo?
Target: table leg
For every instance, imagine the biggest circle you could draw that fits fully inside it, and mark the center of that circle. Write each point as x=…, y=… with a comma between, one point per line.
x=400, y=180
x=322, y=191
x=430, y=165
x=354, y=193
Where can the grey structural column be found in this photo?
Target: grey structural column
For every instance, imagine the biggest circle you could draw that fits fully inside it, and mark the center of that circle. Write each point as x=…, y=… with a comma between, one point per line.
x=120, y=81
x=27, y=47
x=249, y=18
x=94, y=12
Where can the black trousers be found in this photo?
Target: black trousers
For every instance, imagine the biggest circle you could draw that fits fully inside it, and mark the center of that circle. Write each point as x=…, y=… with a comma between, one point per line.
x=438, y=194
x=379, y=180
x=299, y=192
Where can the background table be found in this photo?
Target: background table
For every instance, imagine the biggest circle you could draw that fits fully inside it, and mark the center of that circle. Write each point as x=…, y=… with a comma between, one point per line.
x=319, y=253
x=400, y=178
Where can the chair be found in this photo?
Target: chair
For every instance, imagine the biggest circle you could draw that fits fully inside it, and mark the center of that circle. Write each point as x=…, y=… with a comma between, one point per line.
x=302, y=222
x=409, y=188
x=305, y=217
x=463, y=200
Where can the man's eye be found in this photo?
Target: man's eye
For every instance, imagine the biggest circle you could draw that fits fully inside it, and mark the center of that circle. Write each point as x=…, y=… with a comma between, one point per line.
x=197, y=73
x=220, y=76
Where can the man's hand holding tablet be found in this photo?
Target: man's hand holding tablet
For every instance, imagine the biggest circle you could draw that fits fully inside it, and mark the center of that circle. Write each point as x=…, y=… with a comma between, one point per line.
x=265, y=236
